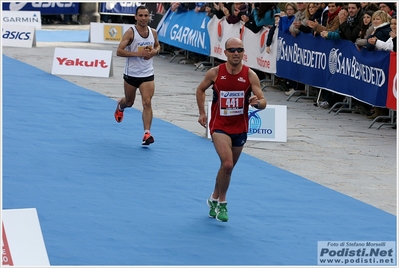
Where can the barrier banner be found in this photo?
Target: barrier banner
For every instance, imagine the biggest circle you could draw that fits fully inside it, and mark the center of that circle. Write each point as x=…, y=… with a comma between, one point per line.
x=392, y=83
x=335, y=65
x=255, y=55
x=186, y=30
x=255, y=49
x=219, y=31
x=120, y=8
x=45, y=8
x=22, y=18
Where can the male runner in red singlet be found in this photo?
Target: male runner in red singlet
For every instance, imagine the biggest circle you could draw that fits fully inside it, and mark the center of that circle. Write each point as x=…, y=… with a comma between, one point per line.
x=139, y=44
x=232, y=83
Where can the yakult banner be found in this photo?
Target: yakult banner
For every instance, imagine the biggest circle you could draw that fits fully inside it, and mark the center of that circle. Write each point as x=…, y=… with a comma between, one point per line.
x=392, y=95
x=186, y=30
x=26, y=18
x=45, y=8
x=82, y=62
x=336, y=65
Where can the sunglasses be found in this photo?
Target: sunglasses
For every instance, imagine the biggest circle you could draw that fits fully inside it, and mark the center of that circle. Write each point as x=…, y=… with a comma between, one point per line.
x=234, y=49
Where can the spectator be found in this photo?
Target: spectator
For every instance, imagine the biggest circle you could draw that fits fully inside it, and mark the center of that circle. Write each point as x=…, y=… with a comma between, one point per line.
x=272, y=30
x=370, y=6
x=182, y=7
x=288, y=17
x=319, y=12
x=219, y=9
x=210, y=9
x=350, y=29
x=332, y=21
x=393, y=33
x=264, y=14
x=324, y=14
x=250, y=23
x=330, y=98
x=311, y=14
x=388, y=8
x=237, y=10
x=382, y=28
x=200, y=7
x=299, y=17
x=364, y=5
x=334, y=35
x=366, y=29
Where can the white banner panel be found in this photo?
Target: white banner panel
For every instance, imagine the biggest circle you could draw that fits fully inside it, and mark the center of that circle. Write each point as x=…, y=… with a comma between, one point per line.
x=22, y=240
x=107, y=33
x=269, y=124
x=14, y=35
x=82, y=62
x=255, y=55
x=219, y=32
x=28, y=18
x=255, y=50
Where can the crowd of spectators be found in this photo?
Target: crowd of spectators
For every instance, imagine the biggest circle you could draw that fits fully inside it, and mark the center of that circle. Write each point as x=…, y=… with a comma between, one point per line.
x=369, y=25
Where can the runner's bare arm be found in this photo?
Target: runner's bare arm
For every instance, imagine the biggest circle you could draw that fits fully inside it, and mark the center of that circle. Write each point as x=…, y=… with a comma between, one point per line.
x=257, y=100
x=127, y=39
x=157, y=46
x=208, y=80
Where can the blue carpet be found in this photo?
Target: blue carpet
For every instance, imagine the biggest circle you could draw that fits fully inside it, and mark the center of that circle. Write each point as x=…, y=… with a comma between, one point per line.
x=62, y=36
x=103, y=199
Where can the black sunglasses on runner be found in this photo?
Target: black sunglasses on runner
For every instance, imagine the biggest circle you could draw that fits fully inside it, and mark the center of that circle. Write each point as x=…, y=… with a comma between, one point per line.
x=234, y=49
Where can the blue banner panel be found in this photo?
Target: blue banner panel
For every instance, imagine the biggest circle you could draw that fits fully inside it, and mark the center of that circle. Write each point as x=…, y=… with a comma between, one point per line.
x=336, y=65
x=45, y=8
x=121, y=8
x=186, y=30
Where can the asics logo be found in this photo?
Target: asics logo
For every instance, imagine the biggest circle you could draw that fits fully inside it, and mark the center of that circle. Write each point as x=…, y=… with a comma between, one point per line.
x=16, y=6
x=240, y=79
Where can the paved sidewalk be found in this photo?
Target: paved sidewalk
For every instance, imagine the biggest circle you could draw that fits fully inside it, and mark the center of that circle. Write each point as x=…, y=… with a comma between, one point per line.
x=337, y=151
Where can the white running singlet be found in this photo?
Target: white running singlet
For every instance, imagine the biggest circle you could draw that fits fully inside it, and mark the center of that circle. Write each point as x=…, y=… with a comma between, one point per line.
x=138, y=66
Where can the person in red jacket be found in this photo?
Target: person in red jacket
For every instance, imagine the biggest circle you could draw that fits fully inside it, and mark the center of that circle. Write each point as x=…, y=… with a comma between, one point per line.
x=233, y=84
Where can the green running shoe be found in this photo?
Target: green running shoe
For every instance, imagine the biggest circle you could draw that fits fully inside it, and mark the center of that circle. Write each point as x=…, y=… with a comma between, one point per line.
x=221, y=212
x=212, y=205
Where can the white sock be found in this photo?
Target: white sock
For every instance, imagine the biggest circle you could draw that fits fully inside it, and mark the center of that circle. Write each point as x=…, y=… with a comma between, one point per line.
x=120, y=109
x=222, y=202
x=213, y=199
x=146, y=131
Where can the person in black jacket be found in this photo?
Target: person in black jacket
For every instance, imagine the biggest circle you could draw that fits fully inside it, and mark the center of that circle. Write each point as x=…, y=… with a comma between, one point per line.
x=350, y=29
x=272, y=30
x=382, y=28
x=394, y=23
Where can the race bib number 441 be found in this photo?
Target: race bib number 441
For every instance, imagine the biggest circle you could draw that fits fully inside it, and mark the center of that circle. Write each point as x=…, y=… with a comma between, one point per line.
x=231, y=103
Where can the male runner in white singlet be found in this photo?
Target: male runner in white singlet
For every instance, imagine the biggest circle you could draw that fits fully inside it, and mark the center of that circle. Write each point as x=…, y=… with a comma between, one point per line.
x=139, y=44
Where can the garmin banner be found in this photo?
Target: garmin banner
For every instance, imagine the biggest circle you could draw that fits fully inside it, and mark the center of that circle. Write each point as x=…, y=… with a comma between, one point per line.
x=120, y=8
x=336, y=65
x=186, y=30
x=45, y=8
